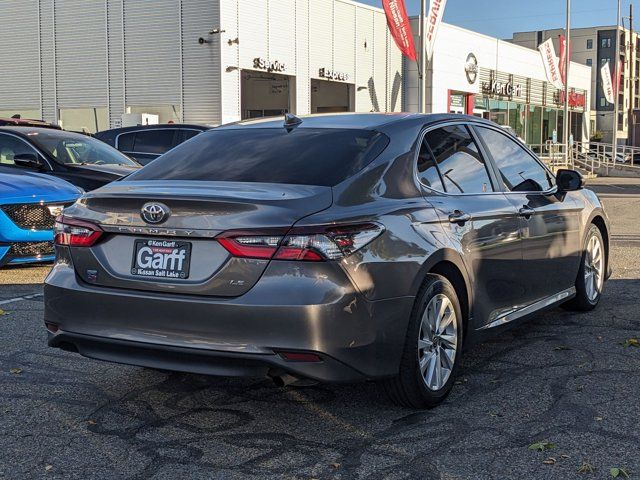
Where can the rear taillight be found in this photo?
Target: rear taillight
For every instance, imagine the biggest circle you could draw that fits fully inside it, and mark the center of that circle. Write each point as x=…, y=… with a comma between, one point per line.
x=251, y=246
x=75, y=233
x=311, y=244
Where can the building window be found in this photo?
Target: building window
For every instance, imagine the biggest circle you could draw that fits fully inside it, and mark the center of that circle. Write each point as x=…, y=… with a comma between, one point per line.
x=589, y=43
x=605, y=43
x=23, y=112
x=589, y=62
x=87, y=120
x=603, y=102
x=603, y=61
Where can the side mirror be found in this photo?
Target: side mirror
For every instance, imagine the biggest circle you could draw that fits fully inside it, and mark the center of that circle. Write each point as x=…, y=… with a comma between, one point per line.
x=28, y=160
x=569, y=180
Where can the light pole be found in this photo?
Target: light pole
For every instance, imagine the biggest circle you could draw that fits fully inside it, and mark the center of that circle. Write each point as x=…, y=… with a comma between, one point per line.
x=632, y=81
x=422, y=63
x=565, y=126
x=614, y=143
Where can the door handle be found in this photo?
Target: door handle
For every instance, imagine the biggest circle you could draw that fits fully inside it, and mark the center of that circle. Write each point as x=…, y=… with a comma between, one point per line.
x=459, y=217
x=526, y=212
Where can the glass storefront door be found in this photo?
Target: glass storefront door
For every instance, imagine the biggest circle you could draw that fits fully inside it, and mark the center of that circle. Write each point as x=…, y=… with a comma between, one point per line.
x=534, y=125
x=549, y=117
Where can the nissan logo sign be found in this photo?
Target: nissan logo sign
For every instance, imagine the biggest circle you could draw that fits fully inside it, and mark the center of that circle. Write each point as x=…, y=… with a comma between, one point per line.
x=471, y=68
x=154, y=212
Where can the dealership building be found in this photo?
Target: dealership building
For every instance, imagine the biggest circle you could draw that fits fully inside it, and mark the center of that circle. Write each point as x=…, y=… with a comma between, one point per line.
x=480, y=75
x=86, y=64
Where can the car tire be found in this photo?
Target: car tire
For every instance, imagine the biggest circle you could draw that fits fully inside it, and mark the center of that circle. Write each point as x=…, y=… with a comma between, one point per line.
x=430, y=360
x=590, y=279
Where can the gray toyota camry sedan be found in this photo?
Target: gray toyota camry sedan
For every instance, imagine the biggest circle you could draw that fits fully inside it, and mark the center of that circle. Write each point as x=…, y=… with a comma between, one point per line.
x=334, y=248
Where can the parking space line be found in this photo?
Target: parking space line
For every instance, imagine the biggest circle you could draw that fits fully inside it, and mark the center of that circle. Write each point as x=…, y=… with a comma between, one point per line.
x=19, y=299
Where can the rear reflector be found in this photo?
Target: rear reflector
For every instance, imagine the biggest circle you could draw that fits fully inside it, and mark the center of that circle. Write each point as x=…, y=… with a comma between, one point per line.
x=75, y=233
x=310, y=244
x=300, y=357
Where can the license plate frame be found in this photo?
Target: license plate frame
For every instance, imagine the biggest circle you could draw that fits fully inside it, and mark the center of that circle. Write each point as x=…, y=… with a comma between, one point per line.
x=162, y=254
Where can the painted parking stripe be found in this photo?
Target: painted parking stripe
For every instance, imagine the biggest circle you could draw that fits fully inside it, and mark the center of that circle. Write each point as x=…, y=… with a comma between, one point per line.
x=19, y=299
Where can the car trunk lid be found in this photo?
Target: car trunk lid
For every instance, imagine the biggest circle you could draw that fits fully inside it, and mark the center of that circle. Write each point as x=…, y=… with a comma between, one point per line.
x=125, y=257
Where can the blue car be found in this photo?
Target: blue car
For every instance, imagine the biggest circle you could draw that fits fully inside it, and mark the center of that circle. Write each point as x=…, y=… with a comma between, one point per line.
x=29, y=204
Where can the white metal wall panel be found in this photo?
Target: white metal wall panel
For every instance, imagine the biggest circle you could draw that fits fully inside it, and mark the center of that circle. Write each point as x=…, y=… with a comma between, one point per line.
x=282, y=32
x=47, y=61
x=394, y=76
x=230, y=60
x=365, y=59
x=115, y=61
x=344, y=38
x=152, y=52
x=20, y=78
x=202, y=65
x=303, y=91
x=379, y=84
x=320, y=35
x=81, y=53
x=253, y=31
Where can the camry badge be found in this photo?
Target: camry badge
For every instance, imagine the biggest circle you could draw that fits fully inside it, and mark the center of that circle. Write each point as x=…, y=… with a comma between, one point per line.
x=154, y=212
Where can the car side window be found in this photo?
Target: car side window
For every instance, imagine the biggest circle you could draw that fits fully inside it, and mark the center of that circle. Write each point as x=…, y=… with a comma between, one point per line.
x=520, y=172
x=427, y=169
x=187, y=134
x=154, y=141
x=458, y=158
x=126, y=141
x=11, y=146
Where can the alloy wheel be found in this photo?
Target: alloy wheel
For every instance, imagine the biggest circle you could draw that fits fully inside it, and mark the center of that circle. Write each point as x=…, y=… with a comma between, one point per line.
x=437, y=342
x=593, y=268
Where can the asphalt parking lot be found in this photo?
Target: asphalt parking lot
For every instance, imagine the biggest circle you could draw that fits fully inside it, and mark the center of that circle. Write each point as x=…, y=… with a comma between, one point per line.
x=561, y=378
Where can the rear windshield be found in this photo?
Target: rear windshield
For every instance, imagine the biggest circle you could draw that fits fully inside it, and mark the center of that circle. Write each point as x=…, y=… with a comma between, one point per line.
x=303, y=156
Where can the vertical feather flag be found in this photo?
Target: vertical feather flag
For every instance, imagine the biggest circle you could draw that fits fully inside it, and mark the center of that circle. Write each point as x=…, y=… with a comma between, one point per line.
x=400, y=27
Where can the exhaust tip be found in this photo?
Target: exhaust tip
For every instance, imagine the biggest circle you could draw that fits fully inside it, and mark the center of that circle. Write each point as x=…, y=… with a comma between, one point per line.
x=283, y=379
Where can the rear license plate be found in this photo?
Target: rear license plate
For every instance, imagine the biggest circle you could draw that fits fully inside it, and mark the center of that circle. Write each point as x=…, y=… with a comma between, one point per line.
x=161, y=259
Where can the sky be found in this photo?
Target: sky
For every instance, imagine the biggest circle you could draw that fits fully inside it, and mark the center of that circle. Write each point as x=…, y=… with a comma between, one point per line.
x=500, y=18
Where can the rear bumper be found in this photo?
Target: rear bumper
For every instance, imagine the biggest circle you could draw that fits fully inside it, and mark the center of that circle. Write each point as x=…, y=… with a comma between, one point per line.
x=202, y=361
x=311, y=311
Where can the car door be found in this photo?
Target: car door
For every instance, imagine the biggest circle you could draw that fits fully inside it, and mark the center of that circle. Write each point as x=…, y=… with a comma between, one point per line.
x=549, y=222
x=481, y=223
x=12, y=146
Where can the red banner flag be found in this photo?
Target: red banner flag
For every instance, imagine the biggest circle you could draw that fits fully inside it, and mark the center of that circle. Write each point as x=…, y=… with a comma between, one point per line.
x=399, y=27
x=619, y=67
x=564, y=58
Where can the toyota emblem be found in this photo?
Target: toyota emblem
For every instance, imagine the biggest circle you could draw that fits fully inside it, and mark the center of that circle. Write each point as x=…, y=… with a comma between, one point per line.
x=154, y=212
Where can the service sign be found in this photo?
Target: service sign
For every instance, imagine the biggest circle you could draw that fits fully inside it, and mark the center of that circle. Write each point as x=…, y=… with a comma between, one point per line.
x=262, y=64
x=333, y=75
